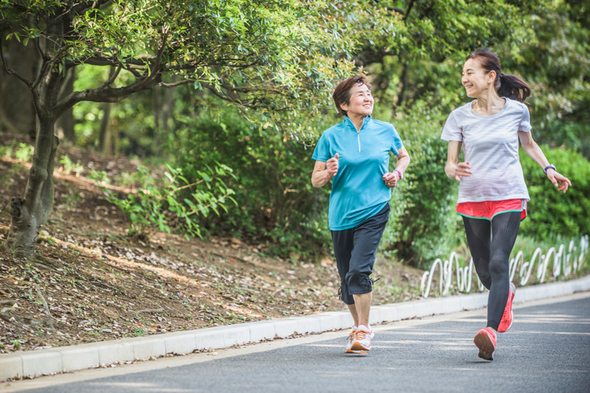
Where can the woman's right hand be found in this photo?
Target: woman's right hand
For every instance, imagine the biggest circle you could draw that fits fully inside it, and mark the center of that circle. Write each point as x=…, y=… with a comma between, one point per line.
x=332, y=165
x=458, y=170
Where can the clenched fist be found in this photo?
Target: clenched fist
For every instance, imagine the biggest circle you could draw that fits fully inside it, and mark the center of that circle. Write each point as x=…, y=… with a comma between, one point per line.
x=332, y=165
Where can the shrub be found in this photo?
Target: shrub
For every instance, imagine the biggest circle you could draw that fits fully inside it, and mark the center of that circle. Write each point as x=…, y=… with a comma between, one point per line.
x=422, y=225
x=553, y=214
x=275, y=200
x=175, y=202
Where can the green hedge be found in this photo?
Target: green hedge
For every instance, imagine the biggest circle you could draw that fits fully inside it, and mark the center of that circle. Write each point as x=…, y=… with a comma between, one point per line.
x=276, y=202
x=553, y=214
x=423, y=225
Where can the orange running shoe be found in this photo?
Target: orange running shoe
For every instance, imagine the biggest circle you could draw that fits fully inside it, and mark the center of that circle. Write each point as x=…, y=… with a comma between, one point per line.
x=349, y=340
x=507, y=317
x=485, y=340
x=362, y=339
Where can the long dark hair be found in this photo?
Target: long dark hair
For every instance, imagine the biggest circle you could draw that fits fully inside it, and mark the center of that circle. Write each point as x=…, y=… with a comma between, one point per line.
x=506, y=85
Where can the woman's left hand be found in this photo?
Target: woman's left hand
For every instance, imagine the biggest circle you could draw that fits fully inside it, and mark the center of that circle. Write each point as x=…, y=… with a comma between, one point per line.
x=561, y=182
x=390, y=179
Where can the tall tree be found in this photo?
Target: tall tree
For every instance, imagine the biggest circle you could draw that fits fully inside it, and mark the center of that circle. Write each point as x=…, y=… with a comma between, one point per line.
x=267, y=55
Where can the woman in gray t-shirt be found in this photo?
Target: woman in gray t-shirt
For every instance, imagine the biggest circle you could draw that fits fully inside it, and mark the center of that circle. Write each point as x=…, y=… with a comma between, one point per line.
x=492, y=190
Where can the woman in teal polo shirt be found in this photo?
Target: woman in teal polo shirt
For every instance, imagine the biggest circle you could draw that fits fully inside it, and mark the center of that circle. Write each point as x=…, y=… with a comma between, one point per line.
x=354, y=156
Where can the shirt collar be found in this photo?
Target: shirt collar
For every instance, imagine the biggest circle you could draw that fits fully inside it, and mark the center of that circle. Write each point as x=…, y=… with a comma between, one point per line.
x=349, y=124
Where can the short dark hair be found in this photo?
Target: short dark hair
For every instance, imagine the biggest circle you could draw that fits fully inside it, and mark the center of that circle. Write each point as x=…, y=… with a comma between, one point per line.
x=341, y=93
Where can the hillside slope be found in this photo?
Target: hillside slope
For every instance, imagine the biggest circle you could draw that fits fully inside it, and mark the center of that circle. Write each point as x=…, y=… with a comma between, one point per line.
x=90, y=281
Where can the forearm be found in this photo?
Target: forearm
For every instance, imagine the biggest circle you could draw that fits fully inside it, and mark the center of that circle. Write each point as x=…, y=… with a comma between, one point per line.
x=453, y=150
x=320, y=178
x=402, y=164
x=535, y=152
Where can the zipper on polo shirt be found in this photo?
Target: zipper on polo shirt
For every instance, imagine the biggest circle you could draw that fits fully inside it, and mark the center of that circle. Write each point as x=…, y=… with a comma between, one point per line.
x=358, y=139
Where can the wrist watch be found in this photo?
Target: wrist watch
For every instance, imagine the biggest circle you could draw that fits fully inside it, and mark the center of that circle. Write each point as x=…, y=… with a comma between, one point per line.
x=550, y=166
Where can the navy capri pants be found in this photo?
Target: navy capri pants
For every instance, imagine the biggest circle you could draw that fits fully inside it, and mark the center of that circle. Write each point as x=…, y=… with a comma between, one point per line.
x=355, y=251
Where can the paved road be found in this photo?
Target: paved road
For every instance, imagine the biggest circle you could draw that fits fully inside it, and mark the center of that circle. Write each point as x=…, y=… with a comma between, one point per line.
x=547, y=350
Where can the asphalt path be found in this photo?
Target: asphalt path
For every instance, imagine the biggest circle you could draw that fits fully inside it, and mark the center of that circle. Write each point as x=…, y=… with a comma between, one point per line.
x=547, y=350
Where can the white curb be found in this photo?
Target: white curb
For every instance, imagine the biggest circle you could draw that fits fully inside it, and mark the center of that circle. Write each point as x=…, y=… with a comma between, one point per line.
x=77, y=357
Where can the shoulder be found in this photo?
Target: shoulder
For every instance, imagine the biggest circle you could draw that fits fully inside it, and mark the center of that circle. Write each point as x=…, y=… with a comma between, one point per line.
x=382, y=125
x=462, y=110
x=517, y=105
x=333, y=130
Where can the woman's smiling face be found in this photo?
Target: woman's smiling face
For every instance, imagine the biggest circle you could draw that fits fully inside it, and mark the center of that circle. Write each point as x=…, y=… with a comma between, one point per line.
x=361, y=101
x=475, y=79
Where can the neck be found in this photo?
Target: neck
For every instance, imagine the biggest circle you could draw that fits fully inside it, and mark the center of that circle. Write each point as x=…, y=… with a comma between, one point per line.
x=357, y=120
x=489, y=102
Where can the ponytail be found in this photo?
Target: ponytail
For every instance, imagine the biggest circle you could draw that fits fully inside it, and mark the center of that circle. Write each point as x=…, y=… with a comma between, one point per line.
x=506, y=85
x=512, y=87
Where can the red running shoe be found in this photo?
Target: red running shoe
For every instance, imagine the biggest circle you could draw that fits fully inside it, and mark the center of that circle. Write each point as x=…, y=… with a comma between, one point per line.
x=485, y=340
x=507, y=317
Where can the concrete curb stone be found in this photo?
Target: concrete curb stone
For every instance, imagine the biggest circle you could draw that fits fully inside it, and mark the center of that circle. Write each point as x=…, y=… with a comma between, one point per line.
x=77, y=357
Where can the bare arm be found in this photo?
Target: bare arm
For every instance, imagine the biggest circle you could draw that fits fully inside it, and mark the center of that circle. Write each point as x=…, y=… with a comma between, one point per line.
x=323, y=172
x=320, y=176
x=534, y=151
x=403, y=160
x=453, y=168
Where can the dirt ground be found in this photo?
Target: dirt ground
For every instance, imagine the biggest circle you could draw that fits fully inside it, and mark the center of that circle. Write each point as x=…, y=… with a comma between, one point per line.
x=90, y=281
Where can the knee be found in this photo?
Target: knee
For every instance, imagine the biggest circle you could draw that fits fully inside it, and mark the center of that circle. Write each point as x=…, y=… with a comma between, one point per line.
x=486, y=280
x=345, y=294
x=498, y=267
x=359, y=282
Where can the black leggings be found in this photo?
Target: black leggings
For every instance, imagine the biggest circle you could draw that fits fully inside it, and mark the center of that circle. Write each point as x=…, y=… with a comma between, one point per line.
x=490, y=244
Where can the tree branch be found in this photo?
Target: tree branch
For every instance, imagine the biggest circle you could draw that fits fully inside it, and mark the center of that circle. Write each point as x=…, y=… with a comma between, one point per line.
x=177, y=83
x=82, y=7
x=38, y=47
x=113, y=75
x=407, y=13
x=107, y=93
x=10, y=71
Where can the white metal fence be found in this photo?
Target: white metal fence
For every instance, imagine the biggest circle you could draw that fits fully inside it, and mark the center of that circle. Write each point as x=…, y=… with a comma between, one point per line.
x=563, y=261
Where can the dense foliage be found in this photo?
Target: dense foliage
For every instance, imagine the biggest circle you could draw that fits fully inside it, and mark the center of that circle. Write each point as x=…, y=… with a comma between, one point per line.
x=275, y=199
x=553, y=214
x=257, y=81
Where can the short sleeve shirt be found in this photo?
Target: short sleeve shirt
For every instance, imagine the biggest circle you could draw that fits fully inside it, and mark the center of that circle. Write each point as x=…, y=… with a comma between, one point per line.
x=358, y=191
x=490, y=145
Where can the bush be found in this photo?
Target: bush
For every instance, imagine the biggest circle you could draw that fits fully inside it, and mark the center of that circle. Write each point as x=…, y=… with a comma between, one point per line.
x=422, y=225
x=554, y=214
x=275, y=200
x=174, y=202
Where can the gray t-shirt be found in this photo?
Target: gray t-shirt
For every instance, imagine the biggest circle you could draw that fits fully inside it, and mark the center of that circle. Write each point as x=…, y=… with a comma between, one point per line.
x=490, y=145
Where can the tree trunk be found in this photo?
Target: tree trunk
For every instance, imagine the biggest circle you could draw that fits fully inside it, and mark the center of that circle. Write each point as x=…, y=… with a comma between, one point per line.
x=404, y=84
x=30, y=213
x=104, y=127
x=65, y=123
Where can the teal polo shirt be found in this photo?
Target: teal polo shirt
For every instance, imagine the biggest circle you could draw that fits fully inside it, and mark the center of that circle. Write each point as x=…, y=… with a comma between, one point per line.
x=358, y=191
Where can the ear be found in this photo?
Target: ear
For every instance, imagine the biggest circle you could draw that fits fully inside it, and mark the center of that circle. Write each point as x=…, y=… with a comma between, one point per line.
x=344, y=107
x=492, y=75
